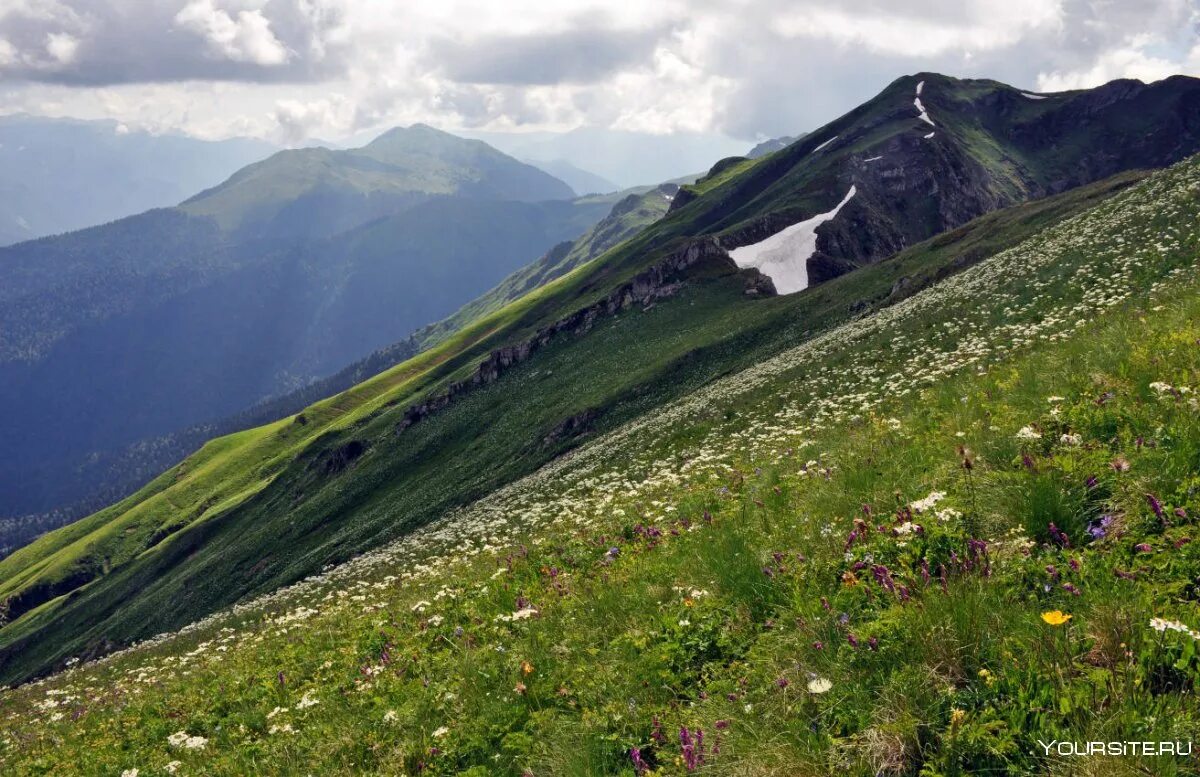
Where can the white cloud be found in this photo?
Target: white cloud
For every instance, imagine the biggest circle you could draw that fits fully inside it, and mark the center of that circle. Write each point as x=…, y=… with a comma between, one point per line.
x=978, y=25
x=331, y=69
x=1128, y=61
x=299, y=120
x=62, y=47
x=8, y=53
x=244, y=38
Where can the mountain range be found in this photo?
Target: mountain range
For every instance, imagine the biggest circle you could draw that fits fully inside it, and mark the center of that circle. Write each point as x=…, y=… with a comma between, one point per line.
x=757, y=257
x=59, y=175
x=285, y=273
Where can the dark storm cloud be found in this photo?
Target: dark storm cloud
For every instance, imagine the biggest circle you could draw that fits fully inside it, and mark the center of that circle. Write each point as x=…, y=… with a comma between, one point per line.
x=583, y=55
x=105, y=42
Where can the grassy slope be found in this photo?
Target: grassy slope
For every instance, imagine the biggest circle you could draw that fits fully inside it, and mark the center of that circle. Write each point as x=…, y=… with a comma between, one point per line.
x=632, y=212
x=744, y=599
x=308, y=516
x=415, y=160
x=252, y=480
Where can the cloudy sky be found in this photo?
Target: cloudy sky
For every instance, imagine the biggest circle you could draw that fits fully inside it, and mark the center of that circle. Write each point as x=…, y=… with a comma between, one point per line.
x=291, y=70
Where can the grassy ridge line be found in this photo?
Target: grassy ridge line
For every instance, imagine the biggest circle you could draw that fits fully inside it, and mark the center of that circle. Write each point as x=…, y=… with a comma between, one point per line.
x=635, y=636
x=767, y=327
x=793, y=180
x=592, y=468
x=631, y=213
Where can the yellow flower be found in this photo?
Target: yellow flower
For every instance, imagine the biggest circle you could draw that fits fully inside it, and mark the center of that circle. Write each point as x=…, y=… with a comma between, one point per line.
x=1056, y=617
x=957, y=716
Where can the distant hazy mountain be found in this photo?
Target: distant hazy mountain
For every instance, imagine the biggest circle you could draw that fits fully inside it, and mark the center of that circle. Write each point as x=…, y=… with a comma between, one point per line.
x=57, y=175
x=772, y=145
x=108, y=475
x=291, y=269
x=626, y=158
x=319, y=192
x=577, y=178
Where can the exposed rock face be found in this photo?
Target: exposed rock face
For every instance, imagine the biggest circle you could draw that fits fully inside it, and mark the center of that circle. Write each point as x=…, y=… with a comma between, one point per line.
x=657, y=282
x=337, y=459
x=574, y=426
x=682, y=197
x=986, y=146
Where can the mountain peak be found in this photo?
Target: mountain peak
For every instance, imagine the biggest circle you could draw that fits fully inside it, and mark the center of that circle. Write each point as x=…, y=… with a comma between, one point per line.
x=422, y=138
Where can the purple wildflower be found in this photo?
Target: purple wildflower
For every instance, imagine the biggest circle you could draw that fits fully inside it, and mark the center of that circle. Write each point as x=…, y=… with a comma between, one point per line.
x=639, y=765
x=692, y=745
x=1099, y=529
x=656, y=731
x=1157, y=507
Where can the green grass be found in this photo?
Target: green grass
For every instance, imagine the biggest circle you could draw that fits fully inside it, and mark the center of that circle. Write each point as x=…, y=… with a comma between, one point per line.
x=263, y=519
x=767, y=587
x=269, y=510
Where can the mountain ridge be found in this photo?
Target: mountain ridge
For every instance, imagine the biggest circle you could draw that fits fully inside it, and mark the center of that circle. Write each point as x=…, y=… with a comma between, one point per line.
x=180, y=320
x=701, y=324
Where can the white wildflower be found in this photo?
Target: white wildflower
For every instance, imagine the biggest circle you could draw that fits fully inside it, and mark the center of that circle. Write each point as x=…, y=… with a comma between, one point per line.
x=819, y=685
x=921, y=505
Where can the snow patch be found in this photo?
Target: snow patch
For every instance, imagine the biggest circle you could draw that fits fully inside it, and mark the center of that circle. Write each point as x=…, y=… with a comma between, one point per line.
x=823, y=145
x=920, y=86
x=930, y=135
x=924, y=115
x=784, y=256
x=1033, y=96
x=873, y=159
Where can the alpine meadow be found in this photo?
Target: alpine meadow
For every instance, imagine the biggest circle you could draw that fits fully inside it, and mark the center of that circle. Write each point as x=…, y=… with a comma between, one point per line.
x=556, y=440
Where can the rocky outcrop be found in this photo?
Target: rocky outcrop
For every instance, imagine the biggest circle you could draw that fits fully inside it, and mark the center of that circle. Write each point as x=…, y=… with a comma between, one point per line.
x=573, y=426
x=334, y=460
x=682, y=197
x=659, y=281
